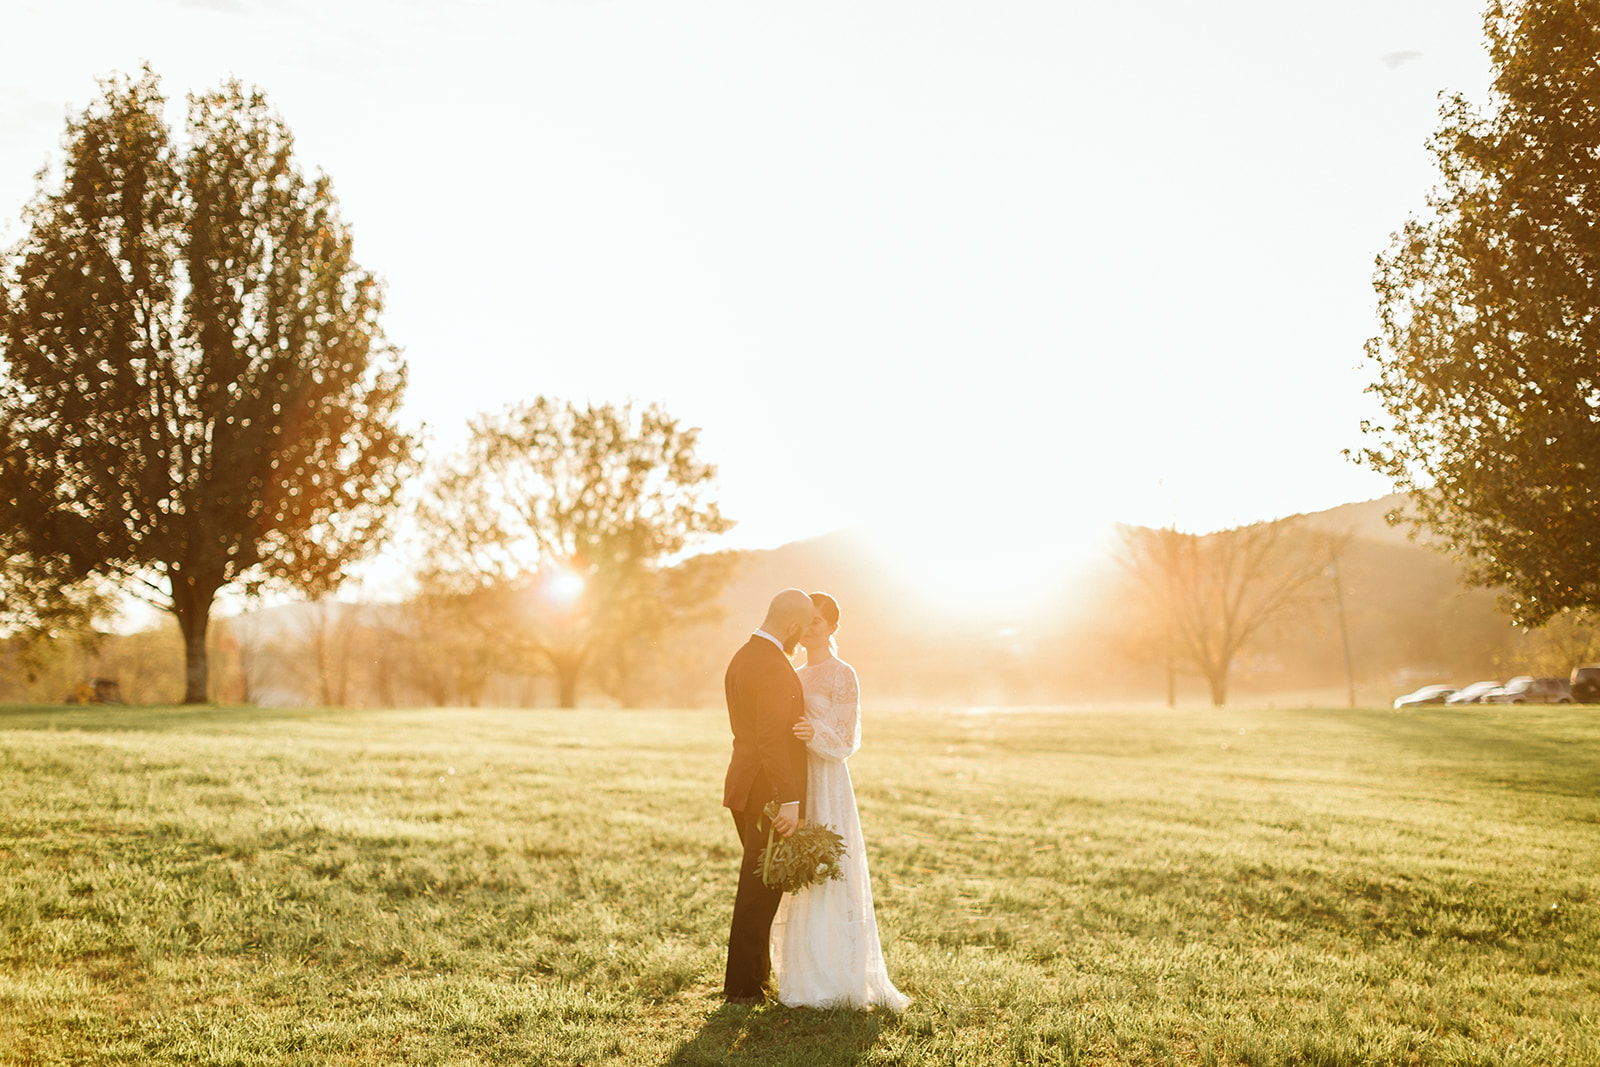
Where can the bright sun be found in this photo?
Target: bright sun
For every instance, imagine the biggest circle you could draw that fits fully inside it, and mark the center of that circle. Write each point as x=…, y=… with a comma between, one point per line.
x=560, y=588
x=984, y=573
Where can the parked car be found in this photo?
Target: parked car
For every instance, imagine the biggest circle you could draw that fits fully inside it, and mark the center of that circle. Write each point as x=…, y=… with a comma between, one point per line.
x=1428, y=694
x=1472, y=694
x=1585, y=685
x=1525, y=690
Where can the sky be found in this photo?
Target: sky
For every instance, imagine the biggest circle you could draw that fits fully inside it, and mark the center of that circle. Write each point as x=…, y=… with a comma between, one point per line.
x=977, y=279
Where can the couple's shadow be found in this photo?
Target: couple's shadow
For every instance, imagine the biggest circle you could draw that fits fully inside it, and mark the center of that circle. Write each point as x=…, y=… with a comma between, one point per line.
x=773, y=1035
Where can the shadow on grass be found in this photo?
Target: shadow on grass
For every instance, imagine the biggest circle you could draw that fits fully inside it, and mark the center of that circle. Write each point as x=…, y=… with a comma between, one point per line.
x=1546, y=751
x=773, y=1034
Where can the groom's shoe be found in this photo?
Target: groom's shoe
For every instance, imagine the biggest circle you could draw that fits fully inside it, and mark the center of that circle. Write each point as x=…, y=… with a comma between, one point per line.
x=764, y=992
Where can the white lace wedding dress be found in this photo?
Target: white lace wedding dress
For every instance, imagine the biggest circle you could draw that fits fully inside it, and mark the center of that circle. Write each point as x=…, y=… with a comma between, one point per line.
x=825, y=947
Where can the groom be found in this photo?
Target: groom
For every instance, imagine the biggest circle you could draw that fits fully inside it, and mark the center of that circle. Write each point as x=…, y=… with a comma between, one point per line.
x=769, y=763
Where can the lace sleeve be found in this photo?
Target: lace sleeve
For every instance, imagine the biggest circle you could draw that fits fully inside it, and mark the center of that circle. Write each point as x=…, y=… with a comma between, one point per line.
x=838, y=729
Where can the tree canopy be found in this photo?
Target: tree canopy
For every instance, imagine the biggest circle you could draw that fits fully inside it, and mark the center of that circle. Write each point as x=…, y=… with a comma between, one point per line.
x=196, y=390
x=558, y=519
x=1488, y=359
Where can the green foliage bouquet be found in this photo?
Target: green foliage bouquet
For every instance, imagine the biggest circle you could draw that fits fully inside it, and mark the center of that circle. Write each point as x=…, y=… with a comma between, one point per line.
x=806, y=857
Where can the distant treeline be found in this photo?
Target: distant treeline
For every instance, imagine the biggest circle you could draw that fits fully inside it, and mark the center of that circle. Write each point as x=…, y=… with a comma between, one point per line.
x=1408, y=618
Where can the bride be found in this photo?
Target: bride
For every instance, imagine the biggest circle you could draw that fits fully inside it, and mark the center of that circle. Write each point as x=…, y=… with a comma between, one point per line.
x=825, y=948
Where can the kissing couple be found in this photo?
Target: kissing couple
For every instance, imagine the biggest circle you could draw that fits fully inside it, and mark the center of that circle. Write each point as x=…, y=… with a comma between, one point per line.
x=792, y=733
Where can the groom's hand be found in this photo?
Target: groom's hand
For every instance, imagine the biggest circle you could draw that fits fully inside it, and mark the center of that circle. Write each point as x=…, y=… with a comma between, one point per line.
x=787, y=820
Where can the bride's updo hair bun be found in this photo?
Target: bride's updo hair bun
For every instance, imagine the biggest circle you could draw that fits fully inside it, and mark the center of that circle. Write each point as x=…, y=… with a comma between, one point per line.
x=828, y=606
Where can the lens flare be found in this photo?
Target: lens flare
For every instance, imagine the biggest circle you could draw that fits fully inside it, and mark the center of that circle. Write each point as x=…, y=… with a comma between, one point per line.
x=561, y=588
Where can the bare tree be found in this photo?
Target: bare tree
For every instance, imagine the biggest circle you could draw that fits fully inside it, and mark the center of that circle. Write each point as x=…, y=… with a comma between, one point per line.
x=1209, y=594
x=330, y=630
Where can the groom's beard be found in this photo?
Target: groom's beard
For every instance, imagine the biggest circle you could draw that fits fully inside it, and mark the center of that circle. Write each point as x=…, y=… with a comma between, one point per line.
x=791, y=644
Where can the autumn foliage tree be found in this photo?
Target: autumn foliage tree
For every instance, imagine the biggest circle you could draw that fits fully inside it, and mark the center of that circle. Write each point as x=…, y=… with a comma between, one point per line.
x=1488, y=360
x=560, y=521
x=196, y=390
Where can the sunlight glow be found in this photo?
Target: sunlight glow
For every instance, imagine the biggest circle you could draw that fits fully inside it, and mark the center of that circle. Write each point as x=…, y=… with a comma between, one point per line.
x=989, y=571
x=560, y=588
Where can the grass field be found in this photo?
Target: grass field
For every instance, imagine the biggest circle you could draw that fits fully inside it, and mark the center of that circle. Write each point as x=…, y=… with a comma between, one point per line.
x=241, y=886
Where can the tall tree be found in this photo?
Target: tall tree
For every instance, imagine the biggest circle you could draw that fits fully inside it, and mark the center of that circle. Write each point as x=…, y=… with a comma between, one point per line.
x=565, y=517
x=196, y=391
x=1209, y=594
x=1488, y=361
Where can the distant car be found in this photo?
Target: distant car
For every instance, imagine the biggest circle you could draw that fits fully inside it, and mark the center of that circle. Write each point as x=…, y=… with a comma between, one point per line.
x=1525, y=690
x=1472, y=694
x=1585, y=685
x=1428, y=694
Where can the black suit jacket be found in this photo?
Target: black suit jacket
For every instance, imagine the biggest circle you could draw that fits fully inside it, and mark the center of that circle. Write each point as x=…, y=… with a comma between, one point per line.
x=764, y=702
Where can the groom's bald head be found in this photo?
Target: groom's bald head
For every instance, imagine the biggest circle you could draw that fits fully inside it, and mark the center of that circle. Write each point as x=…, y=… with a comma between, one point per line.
x=788, y=616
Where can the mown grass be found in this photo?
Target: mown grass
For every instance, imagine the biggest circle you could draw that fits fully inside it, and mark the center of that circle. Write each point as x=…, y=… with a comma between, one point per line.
x=1309, y=887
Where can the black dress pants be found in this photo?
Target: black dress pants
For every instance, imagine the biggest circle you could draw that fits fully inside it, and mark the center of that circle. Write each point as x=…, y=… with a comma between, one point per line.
x=749, y=949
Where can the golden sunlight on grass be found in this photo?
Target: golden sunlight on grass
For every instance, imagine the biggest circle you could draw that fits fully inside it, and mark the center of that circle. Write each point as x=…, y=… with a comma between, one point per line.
x=1344, y=888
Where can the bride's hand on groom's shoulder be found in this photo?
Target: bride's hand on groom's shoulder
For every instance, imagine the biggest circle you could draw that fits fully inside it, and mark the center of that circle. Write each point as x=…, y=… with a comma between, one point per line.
x=804, y=730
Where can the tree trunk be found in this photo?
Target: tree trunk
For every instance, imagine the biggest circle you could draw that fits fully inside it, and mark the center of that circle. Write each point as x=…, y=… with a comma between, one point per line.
x=319, y=648
x=246, y=692
x=191, y=603
x=383, y=674
x=1217, y=679
x=567, y=682
x=196, y=664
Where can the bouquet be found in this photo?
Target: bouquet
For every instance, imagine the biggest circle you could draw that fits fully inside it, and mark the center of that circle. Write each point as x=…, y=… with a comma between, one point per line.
x=806, y=857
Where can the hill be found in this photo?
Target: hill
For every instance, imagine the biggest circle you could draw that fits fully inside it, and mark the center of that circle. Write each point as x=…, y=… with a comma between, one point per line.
x=1408, y=618
x=1366, y=520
